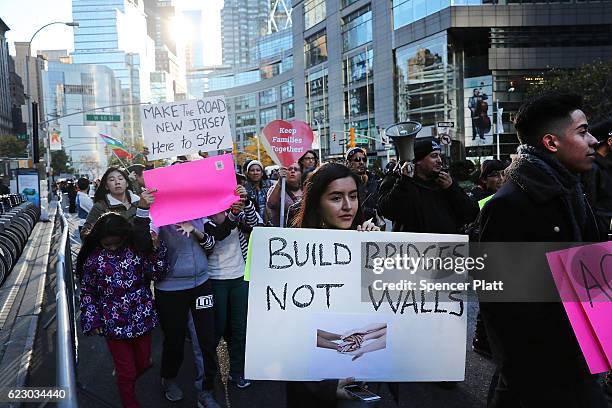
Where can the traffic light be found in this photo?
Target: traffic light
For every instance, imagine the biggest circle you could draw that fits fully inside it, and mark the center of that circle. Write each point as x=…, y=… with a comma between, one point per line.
x=351, y=142
x=334, y=136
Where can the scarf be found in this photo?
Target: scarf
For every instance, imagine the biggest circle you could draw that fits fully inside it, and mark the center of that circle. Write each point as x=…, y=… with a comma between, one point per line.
x=542, y=176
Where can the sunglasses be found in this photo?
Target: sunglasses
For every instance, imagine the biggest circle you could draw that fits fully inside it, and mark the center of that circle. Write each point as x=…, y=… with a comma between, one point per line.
x=360, y=159
x=296, y=169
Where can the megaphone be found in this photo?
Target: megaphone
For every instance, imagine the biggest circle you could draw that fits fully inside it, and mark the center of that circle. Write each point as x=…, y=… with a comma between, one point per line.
x=402, y=135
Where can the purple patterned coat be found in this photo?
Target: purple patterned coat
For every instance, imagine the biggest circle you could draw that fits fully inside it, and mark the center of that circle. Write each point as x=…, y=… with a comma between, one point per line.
x=115, y=293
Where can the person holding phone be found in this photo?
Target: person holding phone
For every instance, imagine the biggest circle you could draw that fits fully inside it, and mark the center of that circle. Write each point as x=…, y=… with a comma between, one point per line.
x=420, y=197
x=330, y=201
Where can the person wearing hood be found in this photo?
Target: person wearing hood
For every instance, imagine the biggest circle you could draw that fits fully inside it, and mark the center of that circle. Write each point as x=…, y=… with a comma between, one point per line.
x=420, y=197
x=490, y=180
x=539, y=361
x=598, y=182
x=257, y=186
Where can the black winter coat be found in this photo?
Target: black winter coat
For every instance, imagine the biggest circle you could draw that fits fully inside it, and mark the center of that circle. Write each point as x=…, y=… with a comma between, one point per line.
x=368, y=196
x=533, y=343
x=415, y=205
x=598, y=188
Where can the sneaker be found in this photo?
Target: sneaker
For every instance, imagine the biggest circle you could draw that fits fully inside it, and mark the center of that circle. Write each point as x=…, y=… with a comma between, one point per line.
x=240, y=381
x=172, y=392
x=206, y=400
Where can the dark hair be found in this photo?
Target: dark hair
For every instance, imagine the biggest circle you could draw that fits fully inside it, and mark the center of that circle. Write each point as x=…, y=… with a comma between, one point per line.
x=108, y=225
x=547, y=113
x=83, y=183
x=102, y=191
x=309, y=215
x=316, y=156
x=136, y=168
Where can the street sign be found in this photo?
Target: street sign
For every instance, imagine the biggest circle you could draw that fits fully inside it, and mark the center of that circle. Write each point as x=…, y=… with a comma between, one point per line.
x=446, y=124
x=22, y=136
x=103, y=118
x=361, y=140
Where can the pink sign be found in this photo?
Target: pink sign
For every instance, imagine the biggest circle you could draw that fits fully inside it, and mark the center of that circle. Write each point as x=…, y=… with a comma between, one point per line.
x=582, y=276
x=286, y=142
x=192, y=190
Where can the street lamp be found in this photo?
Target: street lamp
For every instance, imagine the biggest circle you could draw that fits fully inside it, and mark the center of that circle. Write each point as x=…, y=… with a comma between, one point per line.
x=27, y=74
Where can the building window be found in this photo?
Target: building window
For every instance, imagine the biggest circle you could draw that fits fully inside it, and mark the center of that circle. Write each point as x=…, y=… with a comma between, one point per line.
x=358, y=67
x=246, y=102
x=315, y=49
x=357, y=28
x=268, y=96
x=317, y=111
x=314, y=12
x=267, y=115
x=270, y=70
x=346, y=3
x=287, y=110
x=316, y=83
x=246, y=119
x=426, y=82
x=286, y=90
x=359, y=101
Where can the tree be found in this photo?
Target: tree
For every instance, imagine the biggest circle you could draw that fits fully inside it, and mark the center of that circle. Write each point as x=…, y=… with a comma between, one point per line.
x=592, y=81
x=10, y=146
x=250, y=153
x=90, y=165
x=60, y=162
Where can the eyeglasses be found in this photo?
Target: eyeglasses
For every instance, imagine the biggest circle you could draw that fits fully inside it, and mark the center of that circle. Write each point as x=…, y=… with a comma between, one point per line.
x=296, y=169
x=360, y=159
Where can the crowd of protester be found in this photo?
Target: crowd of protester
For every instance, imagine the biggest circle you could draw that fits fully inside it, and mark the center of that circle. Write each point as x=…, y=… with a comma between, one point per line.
x=558, y=188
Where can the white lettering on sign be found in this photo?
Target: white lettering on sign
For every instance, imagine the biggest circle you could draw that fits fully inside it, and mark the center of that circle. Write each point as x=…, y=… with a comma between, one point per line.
x=204, y=302
x=173, y=129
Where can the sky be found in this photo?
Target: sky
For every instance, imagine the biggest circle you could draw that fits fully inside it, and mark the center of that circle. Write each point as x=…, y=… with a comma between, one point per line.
x=30, y=15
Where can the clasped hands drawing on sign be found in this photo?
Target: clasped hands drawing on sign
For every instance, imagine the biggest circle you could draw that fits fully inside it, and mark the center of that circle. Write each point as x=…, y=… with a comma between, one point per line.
x=355, y=342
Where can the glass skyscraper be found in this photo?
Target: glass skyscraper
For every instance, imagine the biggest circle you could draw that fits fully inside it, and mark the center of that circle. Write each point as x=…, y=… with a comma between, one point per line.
x=114, y=33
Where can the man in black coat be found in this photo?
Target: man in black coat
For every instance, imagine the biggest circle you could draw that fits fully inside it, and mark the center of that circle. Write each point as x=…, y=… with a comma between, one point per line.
x=539, y=361
x=426, y=199
x=598, y=182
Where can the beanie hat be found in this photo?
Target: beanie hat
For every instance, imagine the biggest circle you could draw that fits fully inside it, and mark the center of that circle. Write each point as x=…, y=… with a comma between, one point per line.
x=602, y=130
x=490, y=166
x=423, y=147
x=252, y=163
x=354, y=150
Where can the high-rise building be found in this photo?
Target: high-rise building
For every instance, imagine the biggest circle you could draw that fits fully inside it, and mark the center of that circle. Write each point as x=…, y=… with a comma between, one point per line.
x=36, y=65
x=79, y=88
x=194, y=48
x=168, y=80
x=366, y=64
x=242, y=23
x=113, y=33
x=17, y=101
x=6, y=121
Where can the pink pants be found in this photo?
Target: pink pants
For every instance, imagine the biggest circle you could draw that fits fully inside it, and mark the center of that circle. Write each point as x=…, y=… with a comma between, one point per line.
x=132, y=357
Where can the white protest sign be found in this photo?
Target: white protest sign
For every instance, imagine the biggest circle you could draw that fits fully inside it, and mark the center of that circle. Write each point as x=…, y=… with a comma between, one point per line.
x=185, y=127
x=315, y=311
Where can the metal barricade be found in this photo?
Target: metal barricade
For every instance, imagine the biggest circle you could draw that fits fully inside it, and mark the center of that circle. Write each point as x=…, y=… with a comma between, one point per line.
x=67, y=339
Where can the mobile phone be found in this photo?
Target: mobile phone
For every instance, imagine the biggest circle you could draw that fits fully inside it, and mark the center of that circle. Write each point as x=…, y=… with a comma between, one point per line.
x=361, y=393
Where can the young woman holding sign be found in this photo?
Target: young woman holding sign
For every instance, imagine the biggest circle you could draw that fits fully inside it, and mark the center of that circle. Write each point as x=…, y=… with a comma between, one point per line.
x=330, y=201
x=112, y=195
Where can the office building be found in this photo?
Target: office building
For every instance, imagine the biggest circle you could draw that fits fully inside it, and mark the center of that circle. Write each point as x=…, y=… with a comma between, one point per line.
x=113, y=33
x=6, y=120
x=73, y=91
x=242, y=23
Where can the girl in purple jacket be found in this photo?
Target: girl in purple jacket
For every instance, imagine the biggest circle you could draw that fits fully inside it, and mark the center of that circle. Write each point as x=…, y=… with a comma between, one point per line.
x=116, y=265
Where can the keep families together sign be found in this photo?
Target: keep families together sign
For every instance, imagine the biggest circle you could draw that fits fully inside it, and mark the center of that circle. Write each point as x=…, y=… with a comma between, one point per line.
x=185, y=127
x=308, y=318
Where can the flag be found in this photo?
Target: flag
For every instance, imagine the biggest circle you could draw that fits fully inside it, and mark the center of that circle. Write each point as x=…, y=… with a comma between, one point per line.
x=55, y=142
x=112, y=142
x=121, y=153
x=500, y=124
